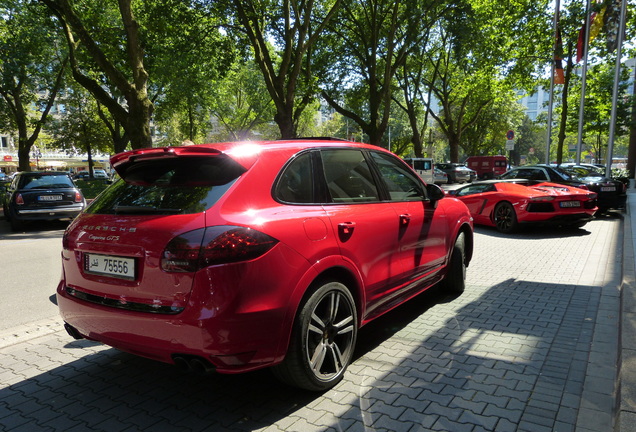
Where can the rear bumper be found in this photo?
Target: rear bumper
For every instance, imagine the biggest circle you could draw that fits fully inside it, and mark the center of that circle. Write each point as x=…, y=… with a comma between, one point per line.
x=237, y=317
x=231, y=346
x=567, y=219
x=47, y=213
x=611, y=201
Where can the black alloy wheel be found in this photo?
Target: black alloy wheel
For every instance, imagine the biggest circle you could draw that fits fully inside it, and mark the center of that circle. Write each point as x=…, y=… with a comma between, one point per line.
x=323, y=339
x=505, y=218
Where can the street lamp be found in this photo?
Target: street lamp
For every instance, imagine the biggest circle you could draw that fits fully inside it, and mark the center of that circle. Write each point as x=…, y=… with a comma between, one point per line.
x=37, y=155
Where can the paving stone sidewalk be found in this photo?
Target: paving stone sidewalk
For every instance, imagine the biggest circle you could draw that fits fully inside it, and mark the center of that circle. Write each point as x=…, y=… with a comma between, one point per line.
x=532, y=345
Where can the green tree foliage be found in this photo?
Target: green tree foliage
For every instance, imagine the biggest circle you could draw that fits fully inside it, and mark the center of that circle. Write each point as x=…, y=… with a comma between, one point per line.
x=282, y=36
x=241, y=104
x=106, y=46
x=31, y=71
x=79, y=128
x=598, y=106
x=134, y=48
x=477, y=58
x=488, y=135
x=187, y=54
x=367, y=43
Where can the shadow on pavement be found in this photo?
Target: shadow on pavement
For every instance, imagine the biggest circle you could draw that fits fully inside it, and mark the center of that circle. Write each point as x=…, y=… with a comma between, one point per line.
x=36, y=229
x=487, y=362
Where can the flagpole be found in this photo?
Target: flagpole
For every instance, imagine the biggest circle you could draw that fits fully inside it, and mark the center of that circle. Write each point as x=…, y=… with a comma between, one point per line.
x=617, y=80
x=586, y=46
x=557, y=8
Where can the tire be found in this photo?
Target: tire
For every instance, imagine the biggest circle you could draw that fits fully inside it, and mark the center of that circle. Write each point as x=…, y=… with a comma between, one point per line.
x=322, y=341
x=505, y=218
x=455, y=280
x=16, y=225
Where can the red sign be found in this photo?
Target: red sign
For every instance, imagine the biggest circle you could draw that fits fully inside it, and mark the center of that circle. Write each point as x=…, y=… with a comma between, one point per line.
x=7, y=158
x=510, y=135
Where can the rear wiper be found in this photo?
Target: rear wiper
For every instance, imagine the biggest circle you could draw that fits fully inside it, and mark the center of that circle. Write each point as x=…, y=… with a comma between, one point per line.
x=144, y=209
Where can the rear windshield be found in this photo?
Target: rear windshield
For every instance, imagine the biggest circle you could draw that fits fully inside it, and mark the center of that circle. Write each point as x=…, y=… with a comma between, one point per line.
x=169, y=186
x=45, y=181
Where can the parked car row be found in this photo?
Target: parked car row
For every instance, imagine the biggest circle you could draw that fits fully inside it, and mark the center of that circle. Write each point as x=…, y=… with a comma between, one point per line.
x=508, y=205
x=611, y=193
x=98, y=174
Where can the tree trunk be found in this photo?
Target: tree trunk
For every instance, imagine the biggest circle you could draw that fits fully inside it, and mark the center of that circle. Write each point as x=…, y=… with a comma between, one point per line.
x=564, y=108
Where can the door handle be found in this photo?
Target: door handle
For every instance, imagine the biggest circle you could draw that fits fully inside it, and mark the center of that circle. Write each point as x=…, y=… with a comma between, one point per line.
x=405, y=219
x=346, y=227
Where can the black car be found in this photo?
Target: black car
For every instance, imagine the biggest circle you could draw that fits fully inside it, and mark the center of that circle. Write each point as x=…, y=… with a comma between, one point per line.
x=611, y=193
x=34, y=196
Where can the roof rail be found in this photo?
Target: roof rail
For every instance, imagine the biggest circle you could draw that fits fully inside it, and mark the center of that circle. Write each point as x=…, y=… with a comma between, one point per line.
x=312, y=138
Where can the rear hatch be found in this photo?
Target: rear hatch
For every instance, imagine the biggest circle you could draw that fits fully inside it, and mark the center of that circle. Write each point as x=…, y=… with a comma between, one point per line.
x=113, y=252
x=47, y=191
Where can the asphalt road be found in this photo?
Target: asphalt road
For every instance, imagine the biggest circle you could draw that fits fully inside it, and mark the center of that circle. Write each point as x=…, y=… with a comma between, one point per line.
x=29, y=272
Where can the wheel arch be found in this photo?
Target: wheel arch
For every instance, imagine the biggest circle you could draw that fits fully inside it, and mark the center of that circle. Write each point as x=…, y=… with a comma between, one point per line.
x=494, y=207
x=468, y=241
x=329, y=270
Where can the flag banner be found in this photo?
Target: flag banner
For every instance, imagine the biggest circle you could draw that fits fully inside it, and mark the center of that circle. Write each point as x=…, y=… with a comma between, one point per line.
x=596, y=24
x=559, y=77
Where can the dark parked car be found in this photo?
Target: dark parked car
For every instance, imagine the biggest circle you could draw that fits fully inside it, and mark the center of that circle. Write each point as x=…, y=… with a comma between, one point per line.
x=611, y=193
x=457, y=172
x=234, y=257
x=36, y=196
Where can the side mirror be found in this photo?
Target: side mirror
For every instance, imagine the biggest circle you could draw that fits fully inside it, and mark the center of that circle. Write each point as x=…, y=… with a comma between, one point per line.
x=435, y=193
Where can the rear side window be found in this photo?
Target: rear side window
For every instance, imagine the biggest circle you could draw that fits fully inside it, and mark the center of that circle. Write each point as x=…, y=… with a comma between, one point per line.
x=295, y=184
x=169, y=186
x=348, y=176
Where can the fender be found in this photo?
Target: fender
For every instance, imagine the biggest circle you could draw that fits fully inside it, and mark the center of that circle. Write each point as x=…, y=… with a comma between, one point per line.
x=320, y=267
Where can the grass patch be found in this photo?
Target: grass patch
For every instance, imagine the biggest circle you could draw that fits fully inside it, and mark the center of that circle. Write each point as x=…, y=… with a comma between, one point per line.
x=91, y=188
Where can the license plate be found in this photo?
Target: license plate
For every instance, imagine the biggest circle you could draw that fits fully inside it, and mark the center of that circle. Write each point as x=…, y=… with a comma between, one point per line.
x=115, y=266
x=608, y=189
x=570, y=204
x=50, y=198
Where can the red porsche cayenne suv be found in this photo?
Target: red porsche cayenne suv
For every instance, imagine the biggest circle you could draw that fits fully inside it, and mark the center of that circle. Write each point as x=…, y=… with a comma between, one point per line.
x=238, y=256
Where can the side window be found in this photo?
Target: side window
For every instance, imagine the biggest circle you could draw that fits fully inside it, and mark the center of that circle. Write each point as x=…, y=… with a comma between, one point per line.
x=295, y=184
x=400, y=182
x=422, y=165
x=348, y=176
x=538, y=174
x=475, y=189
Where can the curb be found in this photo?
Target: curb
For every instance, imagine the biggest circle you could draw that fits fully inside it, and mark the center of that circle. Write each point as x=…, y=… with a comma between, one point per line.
x=23, y=333
x=625, y=416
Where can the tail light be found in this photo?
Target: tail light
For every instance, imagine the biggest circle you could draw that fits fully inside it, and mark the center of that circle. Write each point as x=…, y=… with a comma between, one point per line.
x=65, y=243
x=19, y=200
x=542, y=198
x=204, y=247
x=78, y=197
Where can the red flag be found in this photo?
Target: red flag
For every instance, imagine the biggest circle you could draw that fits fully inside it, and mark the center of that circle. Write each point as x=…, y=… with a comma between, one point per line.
x=596, y=24
x=559, y=78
